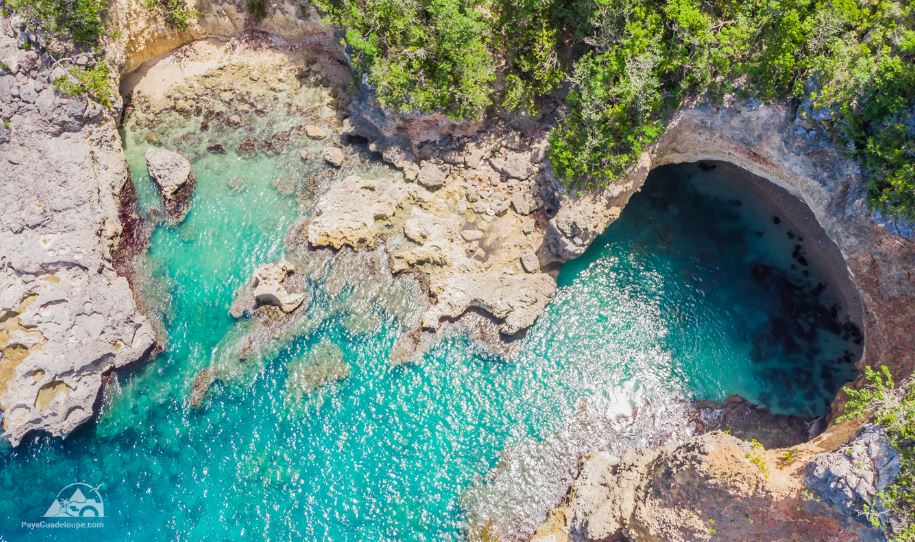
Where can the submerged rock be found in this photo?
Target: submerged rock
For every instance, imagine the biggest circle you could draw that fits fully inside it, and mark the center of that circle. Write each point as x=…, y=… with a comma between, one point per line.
x=247, y=148
x=315, y=132
x=173, y=175
x=322, y=366
x=410, y=347
x=201, y=386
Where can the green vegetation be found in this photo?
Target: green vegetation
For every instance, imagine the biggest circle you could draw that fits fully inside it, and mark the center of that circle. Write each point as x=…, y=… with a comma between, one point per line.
x=82, y=22
x=622, y=67
x=93, y=81
x=853, y=61
x=176, y=12
x=757, y=456
x=420, y=56
x=893, y=408
x=257, y=9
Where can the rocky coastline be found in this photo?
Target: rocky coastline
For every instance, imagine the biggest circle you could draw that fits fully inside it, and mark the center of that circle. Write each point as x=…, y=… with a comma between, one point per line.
x=470, y=219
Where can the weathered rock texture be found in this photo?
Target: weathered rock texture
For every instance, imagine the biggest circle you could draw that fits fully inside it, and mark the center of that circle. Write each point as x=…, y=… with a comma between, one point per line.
x=268, y=286
x=173, y=175
x=711, y=487
x=470, y=222
x=66, y=317
x=850, y=477
x=144, y=33
x=770, y=143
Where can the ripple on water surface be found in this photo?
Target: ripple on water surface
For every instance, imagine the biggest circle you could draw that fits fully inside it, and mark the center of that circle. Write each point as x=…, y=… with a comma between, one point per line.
x=692, y=293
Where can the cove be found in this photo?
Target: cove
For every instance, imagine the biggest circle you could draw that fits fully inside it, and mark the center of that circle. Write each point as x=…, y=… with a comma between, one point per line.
x=696, y=292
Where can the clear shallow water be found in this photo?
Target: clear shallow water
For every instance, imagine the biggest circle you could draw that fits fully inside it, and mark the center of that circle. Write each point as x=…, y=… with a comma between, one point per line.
x=676, y=300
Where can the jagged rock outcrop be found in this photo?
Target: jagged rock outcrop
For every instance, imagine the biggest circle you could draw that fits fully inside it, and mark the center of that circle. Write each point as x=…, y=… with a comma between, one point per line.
x=347, y=213
x=850, y=477
x=66, y=317
x=711, y=487
x=173, y=175
x=457, y=228
x=268, y=286
x=819, y=184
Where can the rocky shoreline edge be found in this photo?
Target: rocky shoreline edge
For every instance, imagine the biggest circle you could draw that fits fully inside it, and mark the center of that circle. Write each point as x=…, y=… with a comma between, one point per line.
x=46, y=388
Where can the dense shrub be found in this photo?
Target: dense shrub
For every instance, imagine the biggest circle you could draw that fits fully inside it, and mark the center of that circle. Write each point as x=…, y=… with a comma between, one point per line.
x=81, y=21
x=420, y=56
x=627, y=64
x=853, y=60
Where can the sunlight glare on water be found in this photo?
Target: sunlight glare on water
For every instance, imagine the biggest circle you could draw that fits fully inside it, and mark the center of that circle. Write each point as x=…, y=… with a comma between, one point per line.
x=664, y=307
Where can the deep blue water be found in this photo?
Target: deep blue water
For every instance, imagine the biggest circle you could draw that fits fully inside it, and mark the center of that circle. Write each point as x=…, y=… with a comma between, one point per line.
x=693, y=293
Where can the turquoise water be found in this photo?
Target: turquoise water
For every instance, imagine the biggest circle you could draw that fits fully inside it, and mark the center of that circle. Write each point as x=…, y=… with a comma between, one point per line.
x=690, y=294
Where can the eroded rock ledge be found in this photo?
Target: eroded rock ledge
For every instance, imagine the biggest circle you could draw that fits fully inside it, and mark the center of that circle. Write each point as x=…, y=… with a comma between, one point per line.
x=66, y=317
x=470, y=222
x=707, y=487
x=711, y=487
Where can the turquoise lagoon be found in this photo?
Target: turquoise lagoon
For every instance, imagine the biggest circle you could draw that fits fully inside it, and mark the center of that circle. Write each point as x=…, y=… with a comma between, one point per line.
x=693, y=293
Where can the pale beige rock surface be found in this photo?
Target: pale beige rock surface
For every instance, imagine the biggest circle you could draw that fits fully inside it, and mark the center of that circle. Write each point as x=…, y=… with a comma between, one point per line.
x=66, y=318
x=268, y=286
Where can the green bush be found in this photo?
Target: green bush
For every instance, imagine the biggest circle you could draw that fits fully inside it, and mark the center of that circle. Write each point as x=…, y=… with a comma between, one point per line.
x=893, y=408
x=81, y=21
x=94, y=82
x=257, y=9
x=176, y=12
x=853, y=60
x=420, y=57
x=531, y=33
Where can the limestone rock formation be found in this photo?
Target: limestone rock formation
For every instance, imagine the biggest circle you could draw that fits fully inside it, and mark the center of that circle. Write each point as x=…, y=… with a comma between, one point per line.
x=267, y=287
x=711, y=487
x=66, y=317
x=347, y=213
x=430, y=176
x=457, y=229
x=851, y=476
x=173, y=175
